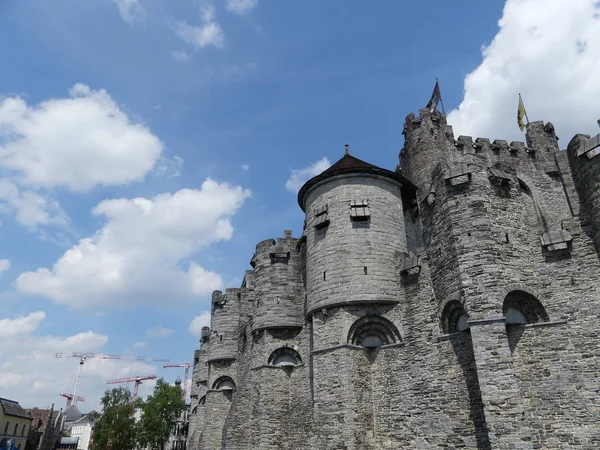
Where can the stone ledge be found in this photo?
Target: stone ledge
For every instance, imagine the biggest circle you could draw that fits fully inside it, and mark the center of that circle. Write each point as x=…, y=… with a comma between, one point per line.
x=554, y=323
x=333, y=305
x=356, y=347
x=447, y=337
x=486, y=321
x=268, y=366
x=277, y=327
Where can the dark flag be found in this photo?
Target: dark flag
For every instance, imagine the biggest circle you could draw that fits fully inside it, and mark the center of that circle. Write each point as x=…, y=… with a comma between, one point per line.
x=435, y=97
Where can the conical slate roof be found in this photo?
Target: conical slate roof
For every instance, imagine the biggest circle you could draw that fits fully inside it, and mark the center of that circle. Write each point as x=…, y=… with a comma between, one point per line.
x=72, y=413
x=346, y=165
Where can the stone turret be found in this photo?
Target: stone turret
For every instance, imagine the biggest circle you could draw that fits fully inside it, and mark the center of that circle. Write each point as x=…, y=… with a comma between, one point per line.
x=354, y=234
x=278, y=284
x=224, y=326
x=428, y=142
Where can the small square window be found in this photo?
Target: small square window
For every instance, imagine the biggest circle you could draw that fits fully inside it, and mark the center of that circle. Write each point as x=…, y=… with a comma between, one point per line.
x=321, y=217
x=359, y=210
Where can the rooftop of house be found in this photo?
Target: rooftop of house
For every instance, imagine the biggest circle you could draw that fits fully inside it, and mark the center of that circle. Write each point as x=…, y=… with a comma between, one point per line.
x=12, y=408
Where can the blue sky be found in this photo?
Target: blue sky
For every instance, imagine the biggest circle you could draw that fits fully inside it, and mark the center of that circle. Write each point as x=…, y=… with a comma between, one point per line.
x=145, y=145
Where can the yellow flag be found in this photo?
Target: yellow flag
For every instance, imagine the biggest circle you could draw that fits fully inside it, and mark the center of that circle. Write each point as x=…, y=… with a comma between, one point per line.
x=521, y=114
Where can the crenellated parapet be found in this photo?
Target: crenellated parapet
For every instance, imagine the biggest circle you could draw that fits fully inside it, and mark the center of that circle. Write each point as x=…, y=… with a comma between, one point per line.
x=277, y=282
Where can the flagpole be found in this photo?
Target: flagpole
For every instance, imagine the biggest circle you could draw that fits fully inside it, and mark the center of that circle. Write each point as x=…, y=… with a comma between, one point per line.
x=441, y=99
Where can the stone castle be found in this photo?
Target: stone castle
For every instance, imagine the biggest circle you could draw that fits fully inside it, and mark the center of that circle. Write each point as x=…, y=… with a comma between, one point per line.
x=451, y=303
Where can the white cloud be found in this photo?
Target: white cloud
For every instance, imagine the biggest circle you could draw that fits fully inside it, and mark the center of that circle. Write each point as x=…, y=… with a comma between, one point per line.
x=241, y=6
x=21, y=325
x=547, y=52
x=141, y=254
x=180, y=55
x=245, y=167
x=159, y=332
x=139, y=344
x=78, y=142
x=203, y=320
x=209, y=33
x=169, y=168
x=30, y=373
x=301, y=176
x=131, y=10
x=4, y=266
x=29, y=208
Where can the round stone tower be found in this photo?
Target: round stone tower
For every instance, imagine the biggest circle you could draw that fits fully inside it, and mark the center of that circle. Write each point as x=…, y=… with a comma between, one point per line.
x=224, y=326
x=277, y=283
x=355, y=235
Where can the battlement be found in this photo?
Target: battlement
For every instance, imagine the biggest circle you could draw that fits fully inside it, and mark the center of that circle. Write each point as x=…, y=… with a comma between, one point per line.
x=426, y=117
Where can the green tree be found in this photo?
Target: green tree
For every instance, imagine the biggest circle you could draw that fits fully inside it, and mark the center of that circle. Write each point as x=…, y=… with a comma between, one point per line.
x=160, y=412
x=115, y=429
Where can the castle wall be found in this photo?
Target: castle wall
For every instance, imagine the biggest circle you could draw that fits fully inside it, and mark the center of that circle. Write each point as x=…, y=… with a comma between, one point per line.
x=371, y=399
x=498, y=226
x=279, y=397
x=338, y=255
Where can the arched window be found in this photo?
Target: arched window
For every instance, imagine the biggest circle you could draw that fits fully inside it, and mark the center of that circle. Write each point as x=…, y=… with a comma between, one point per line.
x=202, y=401
x=224, y=383
x=521, y=308
x=454, y=317
x=285, y=357
x=372, y=332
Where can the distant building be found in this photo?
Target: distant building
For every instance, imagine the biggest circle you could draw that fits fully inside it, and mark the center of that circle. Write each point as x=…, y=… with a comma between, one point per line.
x=178, y=438
x=82, y=429
x=68, y=443
x=14, y=425
x=46, y=425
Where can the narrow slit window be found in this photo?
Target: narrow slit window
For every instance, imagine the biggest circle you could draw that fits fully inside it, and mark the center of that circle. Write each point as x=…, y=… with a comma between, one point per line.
x=359, y=210
x=324, y=276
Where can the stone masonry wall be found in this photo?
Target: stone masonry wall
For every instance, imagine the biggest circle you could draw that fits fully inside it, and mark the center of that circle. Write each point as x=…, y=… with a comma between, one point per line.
x=497, y=227
x=354, y=261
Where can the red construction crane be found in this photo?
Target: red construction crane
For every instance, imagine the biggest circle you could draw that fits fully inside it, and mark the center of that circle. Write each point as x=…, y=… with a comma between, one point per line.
x=136, y=380
x=83, y=356
x=69, y=398
x=186, y=374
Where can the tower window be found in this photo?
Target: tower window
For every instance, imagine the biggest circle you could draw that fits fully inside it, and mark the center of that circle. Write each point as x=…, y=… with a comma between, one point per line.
x=224, y=383
x=521, y=308
x=373, y=332
x=454, y=317
x=321, y=217
x=359, y=210
x=285, y=357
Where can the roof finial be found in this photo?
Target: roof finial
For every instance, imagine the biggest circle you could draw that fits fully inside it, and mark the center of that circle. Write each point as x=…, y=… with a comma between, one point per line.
x=347, y=148
x=598, y=122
